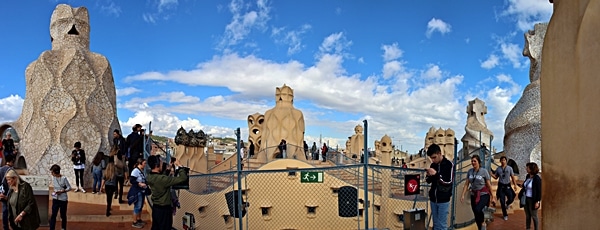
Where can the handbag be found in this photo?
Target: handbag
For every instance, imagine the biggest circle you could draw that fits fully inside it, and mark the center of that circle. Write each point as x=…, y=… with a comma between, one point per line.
x=522, y=198
x=147, y=191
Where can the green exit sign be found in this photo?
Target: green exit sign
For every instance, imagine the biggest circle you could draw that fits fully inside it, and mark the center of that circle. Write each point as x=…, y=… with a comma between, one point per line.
x=311, y=177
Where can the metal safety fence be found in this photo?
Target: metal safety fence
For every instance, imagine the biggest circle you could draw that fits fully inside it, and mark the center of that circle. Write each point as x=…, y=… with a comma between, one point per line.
x=302, y=198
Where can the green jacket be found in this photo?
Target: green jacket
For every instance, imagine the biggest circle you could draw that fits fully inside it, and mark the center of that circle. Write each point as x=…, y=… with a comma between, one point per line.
x=161, y=186
x=26, y=202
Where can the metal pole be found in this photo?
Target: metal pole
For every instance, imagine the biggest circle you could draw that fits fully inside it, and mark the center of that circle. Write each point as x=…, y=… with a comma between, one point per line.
x=239, y=178
x=453, y=213
x=365, y=177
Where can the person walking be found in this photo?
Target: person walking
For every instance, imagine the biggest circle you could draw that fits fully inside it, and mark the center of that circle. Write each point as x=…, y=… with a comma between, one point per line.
x=162, y=208
x=109, y=183
x=532, y=190
x=121, y=173
x=504, y=192
x=98, y=164
x=4, y=188
x=478, y=183
x=59, y=197
x=23, y=213
x=78, y=159
x=440, y=175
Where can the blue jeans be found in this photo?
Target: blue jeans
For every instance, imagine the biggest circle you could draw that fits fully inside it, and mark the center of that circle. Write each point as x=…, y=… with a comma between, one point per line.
x=439, y=213
x=139, y=204
x=97, y=180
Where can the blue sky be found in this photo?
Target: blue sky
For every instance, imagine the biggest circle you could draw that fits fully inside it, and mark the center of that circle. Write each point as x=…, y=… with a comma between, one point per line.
x=402, y=65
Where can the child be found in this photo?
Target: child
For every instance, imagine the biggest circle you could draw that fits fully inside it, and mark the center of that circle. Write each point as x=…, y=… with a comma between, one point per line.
x=59, y=197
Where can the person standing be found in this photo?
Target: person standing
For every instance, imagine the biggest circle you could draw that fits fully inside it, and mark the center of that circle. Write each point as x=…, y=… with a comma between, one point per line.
x=119, y=143
x=109, y=183
x=23, y=213
x=98, y=165
x=478, y=183
x=305, y=150
x=282, y=148
x=242, y=149
x=440, y=175
x=313, y=151
x=8, y=145
x=135, y=143
x=324, y=151
x=59, y=197
x=251, y=149
x=10, y=161
x=78, y=159
x=137, y=192
x=162, y=208
x=505, y=192
x=532, y=190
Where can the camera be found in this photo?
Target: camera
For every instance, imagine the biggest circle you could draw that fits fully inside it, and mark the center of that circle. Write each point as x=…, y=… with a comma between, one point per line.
x=186, y=183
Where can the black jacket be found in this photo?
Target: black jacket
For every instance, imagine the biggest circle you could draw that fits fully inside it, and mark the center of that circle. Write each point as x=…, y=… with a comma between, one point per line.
x=441, y=182
x=81, y=157
x=121, y=144
x=536, y=187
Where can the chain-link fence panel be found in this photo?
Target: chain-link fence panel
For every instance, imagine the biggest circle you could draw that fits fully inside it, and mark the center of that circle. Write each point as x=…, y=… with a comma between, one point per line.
x=301, y=198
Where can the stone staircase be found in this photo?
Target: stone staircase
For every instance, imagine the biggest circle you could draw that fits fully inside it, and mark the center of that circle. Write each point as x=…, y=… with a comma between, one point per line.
x=88, y=207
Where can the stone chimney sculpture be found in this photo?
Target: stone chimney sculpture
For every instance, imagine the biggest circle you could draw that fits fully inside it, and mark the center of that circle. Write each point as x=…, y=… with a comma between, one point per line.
x=476, y=132
x=70, y=96
x=523, y=126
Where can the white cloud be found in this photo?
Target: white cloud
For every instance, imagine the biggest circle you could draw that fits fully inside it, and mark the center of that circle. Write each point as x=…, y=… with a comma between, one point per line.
x=491, y=62
x=127, y=91
x=167, y=124
x=392, y=68
x=399, y=108
x=11, y=107
x=335, y=43
x=111, y=8
x=391, y=52
x=244, y=21
x=149, y=18
x=291, y=38
x=166, y=4
x=528, y=13
x=437, y=25
x=513, y=53
x=433, y=72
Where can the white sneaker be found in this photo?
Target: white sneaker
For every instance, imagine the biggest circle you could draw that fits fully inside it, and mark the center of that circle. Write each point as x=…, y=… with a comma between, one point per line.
x=506, y=218
x=76, y=190
x=82, y=190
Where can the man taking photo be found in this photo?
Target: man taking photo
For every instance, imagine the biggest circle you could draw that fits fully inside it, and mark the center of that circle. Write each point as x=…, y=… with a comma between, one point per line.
x=162, y=208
